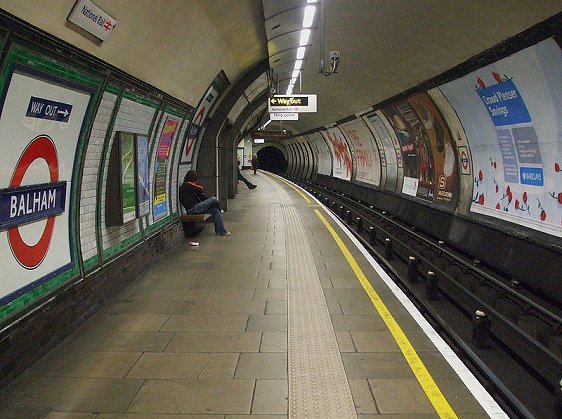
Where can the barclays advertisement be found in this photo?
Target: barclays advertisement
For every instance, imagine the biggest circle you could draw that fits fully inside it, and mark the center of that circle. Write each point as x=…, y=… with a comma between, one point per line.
x=512, y=111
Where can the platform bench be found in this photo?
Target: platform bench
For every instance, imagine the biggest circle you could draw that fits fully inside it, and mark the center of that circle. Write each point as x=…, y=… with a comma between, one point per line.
x=194, y=218
x=190, y=223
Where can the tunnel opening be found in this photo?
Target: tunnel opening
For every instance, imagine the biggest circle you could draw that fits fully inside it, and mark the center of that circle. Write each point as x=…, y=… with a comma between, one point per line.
x=272, y=159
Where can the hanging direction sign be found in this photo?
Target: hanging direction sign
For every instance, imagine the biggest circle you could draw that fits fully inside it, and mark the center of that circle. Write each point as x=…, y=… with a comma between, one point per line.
x=270, y=135
x=284, y=116
x=92, y=19
x=293, y=103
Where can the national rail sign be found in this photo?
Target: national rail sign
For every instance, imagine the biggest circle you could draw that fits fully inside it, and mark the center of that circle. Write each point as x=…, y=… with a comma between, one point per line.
x=293, y=103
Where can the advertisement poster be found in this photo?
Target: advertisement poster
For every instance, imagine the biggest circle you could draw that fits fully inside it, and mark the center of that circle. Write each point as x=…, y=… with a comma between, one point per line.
x=391, y=156
x=310, y=156
x=341, y=154
x=128, y=181
x=40, y=124
x=143, y=187
x=511, y=111
x=366, y=152
x=160, y=202
x=409, y=157
x=416, y=150
x=195, y=130
x=441, y=172
x=324, y=157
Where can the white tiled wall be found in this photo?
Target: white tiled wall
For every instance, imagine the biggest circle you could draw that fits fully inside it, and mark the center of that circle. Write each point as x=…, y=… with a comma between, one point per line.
x=131, y=117
x=88, y=194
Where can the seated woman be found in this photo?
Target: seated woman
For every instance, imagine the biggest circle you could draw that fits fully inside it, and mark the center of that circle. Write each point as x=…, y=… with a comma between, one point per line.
x=194, y=200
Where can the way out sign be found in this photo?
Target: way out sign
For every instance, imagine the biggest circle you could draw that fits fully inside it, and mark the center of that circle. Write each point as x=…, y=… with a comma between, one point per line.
x=293, y=103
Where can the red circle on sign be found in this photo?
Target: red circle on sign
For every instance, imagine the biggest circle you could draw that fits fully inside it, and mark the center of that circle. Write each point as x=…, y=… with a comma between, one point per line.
x=199, y=117
x=464, y=159
x=31, y=256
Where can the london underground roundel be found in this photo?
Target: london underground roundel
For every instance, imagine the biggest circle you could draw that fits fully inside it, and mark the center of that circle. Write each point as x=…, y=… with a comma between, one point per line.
x=31, y=256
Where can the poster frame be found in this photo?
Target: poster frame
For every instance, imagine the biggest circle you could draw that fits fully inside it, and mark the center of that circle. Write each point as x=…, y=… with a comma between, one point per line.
x=36, y=64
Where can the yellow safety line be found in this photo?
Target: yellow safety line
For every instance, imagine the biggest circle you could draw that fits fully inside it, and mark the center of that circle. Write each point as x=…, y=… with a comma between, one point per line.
x=306, y=199
x=429, y=386
x=440, y=404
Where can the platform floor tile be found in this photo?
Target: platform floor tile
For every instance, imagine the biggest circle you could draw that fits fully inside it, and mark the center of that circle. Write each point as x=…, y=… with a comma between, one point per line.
x=202, y=396
x=267, y=366
x=70, y=394
x=271, y=397
x=214, y=342
x=274, y=342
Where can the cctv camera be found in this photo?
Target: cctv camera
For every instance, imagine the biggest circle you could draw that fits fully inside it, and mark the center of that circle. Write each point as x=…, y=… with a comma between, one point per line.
x=272, y=89
x=335, y=57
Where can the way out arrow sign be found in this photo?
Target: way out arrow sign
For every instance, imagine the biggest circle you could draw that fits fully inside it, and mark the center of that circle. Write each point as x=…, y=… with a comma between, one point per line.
x=48, y=109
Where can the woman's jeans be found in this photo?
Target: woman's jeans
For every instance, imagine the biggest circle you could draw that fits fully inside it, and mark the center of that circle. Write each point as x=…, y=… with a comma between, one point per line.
x=211, y=206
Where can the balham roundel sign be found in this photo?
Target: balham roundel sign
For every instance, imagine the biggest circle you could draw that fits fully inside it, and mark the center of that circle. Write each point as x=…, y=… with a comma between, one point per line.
x=32, y=203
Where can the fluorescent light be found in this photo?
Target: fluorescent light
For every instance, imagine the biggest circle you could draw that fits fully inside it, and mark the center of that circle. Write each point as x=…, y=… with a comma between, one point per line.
x=295, y=73
x=311, y=1
x=266, y=124
x=298, y=64
x=300, y=53
x=308, y=16
x=293, y=80
x=305, y=33
x=259, y=140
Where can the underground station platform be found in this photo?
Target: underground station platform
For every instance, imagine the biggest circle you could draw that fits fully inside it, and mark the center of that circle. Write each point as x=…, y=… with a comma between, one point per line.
x=287, y=317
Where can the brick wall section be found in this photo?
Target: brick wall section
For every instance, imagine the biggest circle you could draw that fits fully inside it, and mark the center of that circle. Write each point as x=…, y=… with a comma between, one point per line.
x=25, y=341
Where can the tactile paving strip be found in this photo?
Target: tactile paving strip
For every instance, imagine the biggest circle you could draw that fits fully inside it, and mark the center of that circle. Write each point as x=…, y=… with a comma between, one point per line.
x=318, y=386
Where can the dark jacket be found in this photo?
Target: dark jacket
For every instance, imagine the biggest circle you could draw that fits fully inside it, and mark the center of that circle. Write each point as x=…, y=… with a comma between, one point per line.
x=191, y=194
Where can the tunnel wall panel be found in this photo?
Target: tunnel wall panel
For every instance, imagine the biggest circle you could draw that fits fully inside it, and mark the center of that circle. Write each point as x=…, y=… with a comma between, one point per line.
x=302, y=159
x=136, y=117
x=177, y=172
x=88, y=202
x=58, y=295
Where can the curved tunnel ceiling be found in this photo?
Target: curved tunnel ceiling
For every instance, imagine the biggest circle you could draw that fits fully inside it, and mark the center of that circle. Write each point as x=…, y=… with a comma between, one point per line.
x=387, y=47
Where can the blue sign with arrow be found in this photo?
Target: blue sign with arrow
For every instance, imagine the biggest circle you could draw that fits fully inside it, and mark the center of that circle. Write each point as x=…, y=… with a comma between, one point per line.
x=48, y=109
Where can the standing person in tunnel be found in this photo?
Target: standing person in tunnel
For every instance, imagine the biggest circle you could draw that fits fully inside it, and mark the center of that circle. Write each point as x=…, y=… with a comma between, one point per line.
x=194, y=200
x=249, y=184
x=255, y=163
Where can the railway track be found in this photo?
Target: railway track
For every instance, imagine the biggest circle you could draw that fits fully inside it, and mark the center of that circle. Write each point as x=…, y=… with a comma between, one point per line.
x=509, y=337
